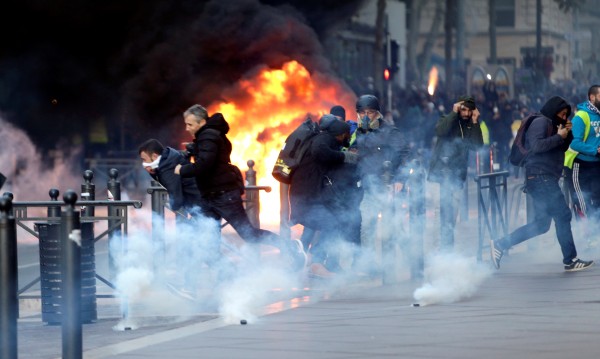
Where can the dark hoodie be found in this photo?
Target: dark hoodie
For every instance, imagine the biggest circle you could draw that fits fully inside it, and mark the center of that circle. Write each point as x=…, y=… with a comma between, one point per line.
x=546, y=147
x=211, y=168
x=183, y=192
x=307, y=187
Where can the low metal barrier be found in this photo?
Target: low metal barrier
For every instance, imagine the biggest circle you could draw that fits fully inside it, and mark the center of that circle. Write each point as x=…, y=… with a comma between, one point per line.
x=159, y=200
x=116, y=218
x=492, y=207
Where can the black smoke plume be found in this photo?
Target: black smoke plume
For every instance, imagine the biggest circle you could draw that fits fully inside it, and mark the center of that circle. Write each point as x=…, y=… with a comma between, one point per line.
x=136, y=65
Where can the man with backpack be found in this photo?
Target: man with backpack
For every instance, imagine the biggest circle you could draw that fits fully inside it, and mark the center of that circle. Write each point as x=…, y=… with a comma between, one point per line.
x=318, y=195
x=546, y=140
x=581, y=159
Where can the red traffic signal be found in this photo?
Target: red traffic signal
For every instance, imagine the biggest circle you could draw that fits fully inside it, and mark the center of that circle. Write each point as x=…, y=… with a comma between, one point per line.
x=387, y=74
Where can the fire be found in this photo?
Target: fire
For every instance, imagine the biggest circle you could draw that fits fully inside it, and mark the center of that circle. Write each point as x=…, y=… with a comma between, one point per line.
x=265, y=107
x=433, y=80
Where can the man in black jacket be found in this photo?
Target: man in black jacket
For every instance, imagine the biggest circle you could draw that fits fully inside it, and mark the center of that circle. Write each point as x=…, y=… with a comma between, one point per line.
x=221, y=184
x=457, y=133
x=547, y=139
x=383, y=152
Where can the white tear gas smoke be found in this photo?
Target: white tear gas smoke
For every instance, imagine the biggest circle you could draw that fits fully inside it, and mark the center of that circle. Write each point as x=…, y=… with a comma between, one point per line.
x=29, y=176
x=189, y=275
x=449, y=278
x=244, y=296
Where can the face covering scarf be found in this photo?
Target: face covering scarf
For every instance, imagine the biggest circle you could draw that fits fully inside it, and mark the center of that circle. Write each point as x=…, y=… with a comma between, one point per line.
x=153, y=165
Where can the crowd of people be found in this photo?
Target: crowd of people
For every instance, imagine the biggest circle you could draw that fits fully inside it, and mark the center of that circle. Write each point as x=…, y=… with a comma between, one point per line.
x=356, y=163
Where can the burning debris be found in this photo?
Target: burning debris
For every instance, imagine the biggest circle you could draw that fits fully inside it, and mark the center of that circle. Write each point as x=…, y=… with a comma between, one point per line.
x=281, y=99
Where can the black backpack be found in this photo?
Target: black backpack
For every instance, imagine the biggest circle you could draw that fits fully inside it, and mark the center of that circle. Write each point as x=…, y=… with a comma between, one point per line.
x=293, y=150
x=518, y=152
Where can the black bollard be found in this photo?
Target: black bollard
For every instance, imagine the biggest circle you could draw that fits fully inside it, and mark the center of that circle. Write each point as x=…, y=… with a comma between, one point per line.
x=252, y=199
x=2, y=180
x=71, y=279
x=88, y=193
x=114, y=234
x=9, y=301
x=158, y=198
x=54, y=211
x=10, y=197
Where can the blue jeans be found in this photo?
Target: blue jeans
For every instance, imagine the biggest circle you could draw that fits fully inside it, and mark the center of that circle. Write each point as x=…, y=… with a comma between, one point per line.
x=548, y=204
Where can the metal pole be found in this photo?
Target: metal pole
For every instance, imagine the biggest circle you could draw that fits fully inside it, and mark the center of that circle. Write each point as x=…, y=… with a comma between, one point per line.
x=10, y=197
x=464, y=206
x=460, y=36
x=71, y=279
x=54, y=211
x=88, y=193
x=538, y=44
x=253, y=203
x=388, y=61
x=448, y=25
x=9, y=301
x=114, y=234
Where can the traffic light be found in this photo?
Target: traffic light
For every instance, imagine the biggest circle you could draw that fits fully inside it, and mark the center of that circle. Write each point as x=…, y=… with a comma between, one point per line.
x=394, y=54
x=387, y=74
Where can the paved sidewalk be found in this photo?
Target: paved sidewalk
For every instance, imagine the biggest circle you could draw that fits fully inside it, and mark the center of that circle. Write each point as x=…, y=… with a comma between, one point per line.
x=529, y=308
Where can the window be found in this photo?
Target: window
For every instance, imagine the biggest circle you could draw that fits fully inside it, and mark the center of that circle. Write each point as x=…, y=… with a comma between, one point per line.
x=505, y=13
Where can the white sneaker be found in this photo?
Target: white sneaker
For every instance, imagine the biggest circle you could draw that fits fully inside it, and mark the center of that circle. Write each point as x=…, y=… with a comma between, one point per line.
x=299, y=259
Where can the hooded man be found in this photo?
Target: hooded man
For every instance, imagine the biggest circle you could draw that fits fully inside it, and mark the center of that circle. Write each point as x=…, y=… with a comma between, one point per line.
x=457, y=133
x=547, y=139
x=313, y=199
x=221, y=183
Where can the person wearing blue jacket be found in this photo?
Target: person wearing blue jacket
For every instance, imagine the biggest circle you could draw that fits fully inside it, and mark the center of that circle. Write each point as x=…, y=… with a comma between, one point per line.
x=160, y=161
x=547, y=139
x=586, y=166
x=184, y=199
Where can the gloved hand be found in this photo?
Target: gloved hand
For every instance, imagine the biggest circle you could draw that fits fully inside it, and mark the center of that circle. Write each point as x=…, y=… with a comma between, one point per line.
x=350, y=157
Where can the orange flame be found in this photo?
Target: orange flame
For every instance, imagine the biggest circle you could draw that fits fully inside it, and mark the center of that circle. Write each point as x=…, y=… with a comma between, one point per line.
x=433, y=80
x=265, y=107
